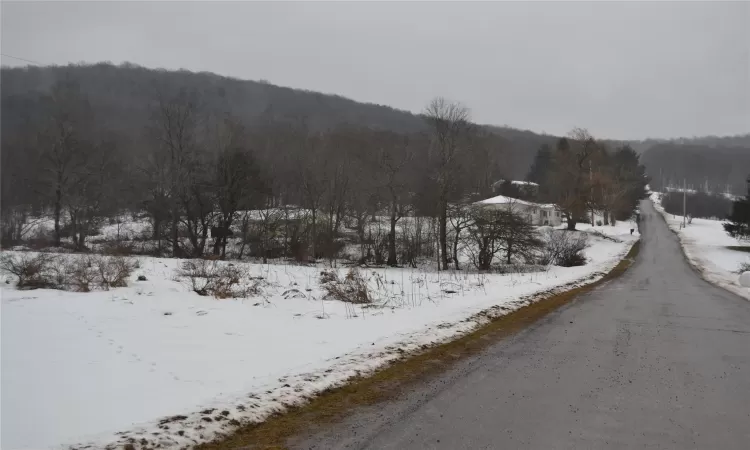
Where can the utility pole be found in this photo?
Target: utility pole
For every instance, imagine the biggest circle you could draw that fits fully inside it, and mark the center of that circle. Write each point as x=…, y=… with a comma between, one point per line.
x=684, y=202
x=591, y=192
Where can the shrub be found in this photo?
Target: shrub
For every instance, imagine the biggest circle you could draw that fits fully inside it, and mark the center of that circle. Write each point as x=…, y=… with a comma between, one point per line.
x=81, y=276
x=352, y=289
x=328, y=276
x=199, y=274
x=563, y=248
x=58, y=273
x=34, y=271
x=81, y=273
x=744, y=267
x=209, y=277
x=112, y=272
x=226, y=283
x=572, y=260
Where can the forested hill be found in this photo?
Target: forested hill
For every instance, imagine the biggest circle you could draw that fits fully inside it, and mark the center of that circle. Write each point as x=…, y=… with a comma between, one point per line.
x=715, y=164
x=127, y=90
x=704, y=167
x=121, y=96
x=707, y=163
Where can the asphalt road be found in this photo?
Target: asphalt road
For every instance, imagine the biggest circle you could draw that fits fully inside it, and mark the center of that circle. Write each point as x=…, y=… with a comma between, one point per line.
x=655, y=359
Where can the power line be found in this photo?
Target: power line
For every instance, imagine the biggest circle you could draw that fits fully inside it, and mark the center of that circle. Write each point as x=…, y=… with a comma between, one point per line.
x=22, y=59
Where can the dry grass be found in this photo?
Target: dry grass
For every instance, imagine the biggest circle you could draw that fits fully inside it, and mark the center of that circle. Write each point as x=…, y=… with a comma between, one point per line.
x=209, y=276
x=335, y=404
x=352, y=289
x=81, y=273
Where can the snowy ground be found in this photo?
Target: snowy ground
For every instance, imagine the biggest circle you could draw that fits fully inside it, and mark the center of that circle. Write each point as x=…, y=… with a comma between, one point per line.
x=705, y=244
x=157, y=363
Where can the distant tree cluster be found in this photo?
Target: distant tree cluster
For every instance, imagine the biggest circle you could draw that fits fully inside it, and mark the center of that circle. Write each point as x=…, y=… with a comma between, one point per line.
x=701, y=165
x=697, y=204
x=203, y=168
x=583, y=175
x=738, y=223
x=197, y=175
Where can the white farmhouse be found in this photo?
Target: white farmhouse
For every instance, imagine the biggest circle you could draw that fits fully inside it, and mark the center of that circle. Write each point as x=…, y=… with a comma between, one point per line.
x=537, y=214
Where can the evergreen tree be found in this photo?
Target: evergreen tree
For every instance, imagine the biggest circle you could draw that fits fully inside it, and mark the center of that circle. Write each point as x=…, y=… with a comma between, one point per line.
x=569, y=177
x=540, y=166
x=539, y=172
x=631, y=179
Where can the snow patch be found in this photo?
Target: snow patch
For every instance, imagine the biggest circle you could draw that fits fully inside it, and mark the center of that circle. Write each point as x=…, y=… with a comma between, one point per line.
x=155, y=363
x=705, y=244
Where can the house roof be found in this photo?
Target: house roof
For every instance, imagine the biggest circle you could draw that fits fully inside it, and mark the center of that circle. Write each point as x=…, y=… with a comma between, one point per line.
x=516, y=183
x=524, y=183
x=504, y=200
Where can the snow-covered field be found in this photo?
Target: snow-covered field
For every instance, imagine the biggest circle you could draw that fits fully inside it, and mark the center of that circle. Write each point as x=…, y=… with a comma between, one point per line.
x=705, y=244
x=156, y=361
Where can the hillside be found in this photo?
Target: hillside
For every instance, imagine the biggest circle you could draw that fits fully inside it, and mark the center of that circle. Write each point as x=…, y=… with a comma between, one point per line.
x=122, y=95
x=702, y=167
x=127, y=91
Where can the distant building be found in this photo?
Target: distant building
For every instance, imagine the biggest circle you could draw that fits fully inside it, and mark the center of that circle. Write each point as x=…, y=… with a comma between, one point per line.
x=538, y=214
x=526, y=190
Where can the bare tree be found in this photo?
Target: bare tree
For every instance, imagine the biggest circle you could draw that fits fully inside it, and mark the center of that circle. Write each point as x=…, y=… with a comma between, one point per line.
x=18, y=181
x=395, y=155
x=92, y=196
x=174, y=130
x=449, y=123
x=65, y=145
x=519, y=237
x=460, y=217
x=237, y=184
x=311, y=169
x=336, y=151
x=197, y=199
x=503, y=230
x=153, y=174
x=486, y=234
x=362, y=202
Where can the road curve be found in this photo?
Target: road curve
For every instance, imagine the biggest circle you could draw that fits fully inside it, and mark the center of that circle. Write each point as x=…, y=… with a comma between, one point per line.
x=657, y=358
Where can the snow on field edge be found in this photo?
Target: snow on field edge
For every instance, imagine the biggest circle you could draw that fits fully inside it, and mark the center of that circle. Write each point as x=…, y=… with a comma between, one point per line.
x=298, y=389
x=284, y=382
x=706, y=251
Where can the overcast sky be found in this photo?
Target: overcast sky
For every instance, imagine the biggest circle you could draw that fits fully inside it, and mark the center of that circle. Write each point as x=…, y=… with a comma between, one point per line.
x=622, y=70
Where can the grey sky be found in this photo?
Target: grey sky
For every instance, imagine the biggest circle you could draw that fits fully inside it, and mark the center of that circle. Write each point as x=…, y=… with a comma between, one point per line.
x=622, y=70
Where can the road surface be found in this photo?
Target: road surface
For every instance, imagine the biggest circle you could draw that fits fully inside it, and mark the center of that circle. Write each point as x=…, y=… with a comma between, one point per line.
x=655, y=359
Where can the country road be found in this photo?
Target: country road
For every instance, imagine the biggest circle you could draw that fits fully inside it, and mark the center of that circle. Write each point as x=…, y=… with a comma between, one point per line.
x=655, y=359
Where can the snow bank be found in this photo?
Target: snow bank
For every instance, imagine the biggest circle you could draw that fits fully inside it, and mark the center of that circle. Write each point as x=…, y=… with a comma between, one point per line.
x=156, y=363
x=705, y=244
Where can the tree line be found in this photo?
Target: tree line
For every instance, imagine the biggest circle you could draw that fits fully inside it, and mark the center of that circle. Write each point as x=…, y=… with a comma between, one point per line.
x=738, y=222
x=697, y=204
x=197, y=174
x=699, y=164
x=584, y=177
x=191, y=169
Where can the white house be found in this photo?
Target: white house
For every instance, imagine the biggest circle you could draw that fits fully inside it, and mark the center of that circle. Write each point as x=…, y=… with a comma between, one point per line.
x=537, y=213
